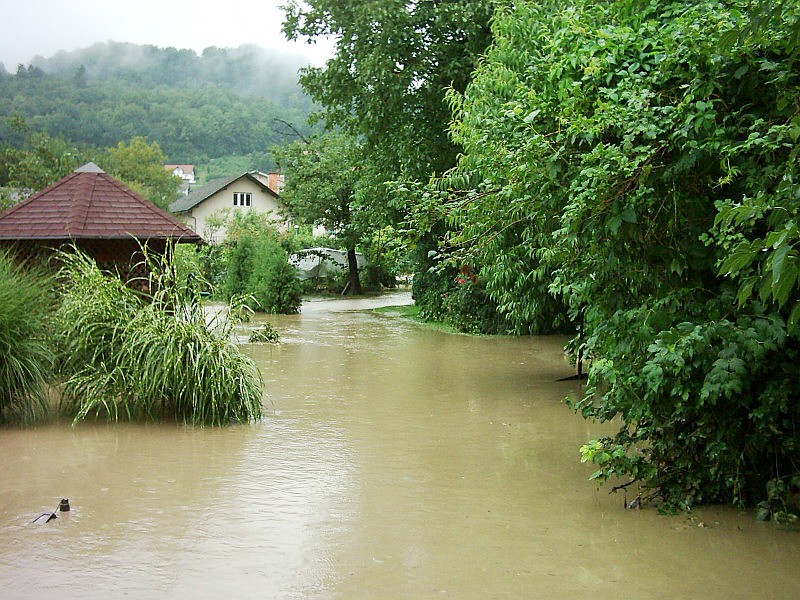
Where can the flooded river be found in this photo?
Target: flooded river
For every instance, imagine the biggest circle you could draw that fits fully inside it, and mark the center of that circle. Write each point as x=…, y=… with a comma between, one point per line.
x=394, y=462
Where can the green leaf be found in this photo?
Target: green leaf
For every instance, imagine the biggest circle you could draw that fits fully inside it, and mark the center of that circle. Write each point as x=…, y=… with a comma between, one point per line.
x=741, y=257
x=794, y=317
x=628, y=215
x=778, y=258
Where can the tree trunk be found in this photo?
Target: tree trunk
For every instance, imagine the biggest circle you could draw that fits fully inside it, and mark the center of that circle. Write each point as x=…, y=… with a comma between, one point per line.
x=354, y=283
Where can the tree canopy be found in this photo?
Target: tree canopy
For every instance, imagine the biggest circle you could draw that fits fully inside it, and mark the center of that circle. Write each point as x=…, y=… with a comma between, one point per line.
x=636, y=164
x=196, y=108
x=393, y=60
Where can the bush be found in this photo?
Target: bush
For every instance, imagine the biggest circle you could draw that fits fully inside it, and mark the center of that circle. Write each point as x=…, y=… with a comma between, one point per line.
x=125, y=356
x=273, y=281
x=259, y=267
x=25, y=353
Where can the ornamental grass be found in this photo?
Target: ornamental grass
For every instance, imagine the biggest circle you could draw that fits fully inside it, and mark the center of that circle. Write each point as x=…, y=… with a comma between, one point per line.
x=125, y=355
x=25, y=355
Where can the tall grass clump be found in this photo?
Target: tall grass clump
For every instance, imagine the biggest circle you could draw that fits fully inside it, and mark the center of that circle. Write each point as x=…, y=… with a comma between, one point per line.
x=25, y=353
x=127, y=355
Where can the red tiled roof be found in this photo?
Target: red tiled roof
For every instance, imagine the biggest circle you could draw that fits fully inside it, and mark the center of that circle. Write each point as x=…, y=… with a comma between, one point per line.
x=90, y=204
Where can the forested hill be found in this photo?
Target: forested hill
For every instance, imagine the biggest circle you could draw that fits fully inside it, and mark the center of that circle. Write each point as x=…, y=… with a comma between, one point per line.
x=222, y=102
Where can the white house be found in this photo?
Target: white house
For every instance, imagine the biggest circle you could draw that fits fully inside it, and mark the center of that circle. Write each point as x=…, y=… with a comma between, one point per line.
x=185, y=172
x=205, y=208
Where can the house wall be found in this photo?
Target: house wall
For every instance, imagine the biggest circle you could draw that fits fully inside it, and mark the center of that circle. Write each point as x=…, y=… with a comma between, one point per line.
x=262, y=202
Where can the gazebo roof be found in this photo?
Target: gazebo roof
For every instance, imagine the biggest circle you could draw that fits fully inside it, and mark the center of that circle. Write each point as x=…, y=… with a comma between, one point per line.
x=90, y=204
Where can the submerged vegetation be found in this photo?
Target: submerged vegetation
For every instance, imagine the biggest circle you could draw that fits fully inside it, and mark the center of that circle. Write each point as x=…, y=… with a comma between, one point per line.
x=25, y=353
x=124, y=356
x=112, y=352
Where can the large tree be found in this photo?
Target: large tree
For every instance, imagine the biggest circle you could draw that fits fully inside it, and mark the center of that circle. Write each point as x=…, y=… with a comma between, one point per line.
x=622, y=160
x=386, y=84
x=323, y=188
x=394, y=60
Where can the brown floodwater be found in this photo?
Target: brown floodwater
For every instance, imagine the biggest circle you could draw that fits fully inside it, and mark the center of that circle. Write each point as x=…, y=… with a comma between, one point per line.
x=394, y=462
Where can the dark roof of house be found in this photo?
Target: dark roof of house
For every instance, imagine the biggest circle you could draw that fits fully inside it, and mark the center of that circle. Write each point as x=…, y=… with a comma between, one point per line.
x=200, y=194
x=90, y=204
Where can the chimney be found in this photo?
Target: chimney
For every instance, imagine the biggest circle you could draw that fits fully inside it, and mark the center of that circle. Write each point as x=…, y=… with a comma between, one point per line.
x=275, y=182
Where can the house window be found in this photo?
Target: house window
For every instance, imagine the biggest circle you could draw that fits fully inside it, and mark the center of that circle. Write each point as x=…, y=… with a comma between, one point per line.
x=242, y=198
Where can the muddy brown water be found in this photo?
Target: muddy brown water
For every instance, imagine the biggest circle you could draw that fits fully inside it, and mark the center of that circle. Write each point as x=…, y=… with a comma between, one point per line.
x=393, y=462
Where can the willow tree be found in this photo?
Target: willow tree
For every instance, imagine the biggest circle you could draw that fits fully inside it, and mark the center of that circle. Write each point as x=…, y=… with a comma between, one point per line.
x=621, y=159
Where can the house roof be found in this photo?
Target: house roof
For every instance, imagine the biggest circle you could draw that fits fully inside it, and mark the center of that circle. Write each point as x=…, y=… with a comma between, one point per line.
x=90, y=204
x=204, y=192
x=184, y=168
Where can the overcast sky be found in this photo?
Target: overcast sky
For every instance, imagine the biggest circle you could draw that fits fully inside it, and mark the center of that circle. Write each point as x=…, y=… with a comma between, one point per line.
x=43, y=27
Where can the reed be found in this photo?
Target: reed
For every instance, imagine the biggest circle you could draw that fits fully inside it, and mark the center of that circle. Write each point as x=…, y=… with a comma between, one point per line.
x=156, y=356
x=25, y=354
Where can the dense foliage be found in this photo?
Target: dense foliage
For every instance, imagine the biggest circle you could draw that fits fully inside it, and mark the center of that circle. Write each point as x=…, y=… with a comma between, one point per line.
x=258, y=266
x=384, y=86
x=25, y=353
x=196, y=108
x=125, y=356
x=633, y=166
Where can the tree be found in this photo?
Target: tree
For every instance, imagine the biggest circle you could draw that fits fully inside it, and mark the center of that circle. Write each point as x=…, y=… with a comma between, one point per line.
x=141, y=166
x=620, y=161
x=40, y=161
x=386, y=82
x=323, y=187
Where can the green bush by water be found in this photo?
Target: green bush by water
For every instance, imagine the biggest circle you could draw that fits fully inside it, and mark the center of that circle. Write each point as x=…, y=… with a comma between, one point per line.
x=259, y=267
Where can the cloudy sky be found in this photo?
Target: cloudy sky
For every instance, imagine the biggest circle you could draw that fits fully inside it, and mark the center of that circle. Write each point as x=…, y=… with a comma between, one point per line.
x=43, y=27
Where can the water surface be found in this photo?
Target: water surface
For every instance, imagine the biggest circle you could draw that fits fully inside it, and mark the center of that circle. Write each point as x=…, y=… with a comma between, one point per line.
x=394, y=461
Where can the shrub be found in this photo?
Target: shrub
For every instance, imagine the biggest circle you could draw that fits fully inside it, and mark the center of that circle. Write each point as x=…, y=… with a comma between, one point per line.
x=125, y=356
x=273, y=280
x=25, y=353
x=258, y=267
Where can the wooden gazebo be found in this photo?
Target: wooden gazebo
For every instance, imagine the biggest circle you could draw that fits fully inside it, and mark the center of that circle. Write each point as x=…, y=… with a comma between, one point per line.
x=97, y=214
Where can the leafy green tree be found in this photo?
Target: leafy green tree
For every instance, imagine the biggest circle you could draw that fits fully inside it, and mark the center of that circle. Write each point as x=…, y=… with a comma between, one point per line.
x=393, y=61
x=41, y=159
x=323, y=188
x=621, y=163
x=141, y=166
x=386, y=83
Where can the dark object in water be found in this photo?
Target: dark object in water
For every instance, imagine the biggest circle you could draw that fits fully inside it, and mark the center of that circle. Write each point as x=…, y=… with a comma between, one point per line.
x=576, y=377
x=45, y=518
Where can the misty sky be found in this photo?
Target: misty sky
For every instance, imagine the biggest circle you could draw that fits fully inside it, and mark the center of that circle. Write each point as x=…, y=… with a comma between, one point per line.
x=43, y=27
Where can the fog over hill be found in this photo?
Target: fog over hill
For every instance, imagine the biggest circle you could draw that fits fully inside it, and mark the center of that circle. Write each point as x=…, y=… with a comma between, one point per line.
x=221, y=102
x=248, y=69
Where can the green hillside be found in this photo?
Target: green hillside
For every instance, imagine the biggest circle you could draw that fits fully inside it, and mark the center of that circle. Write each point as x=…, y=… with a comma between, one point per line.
x=221, y=103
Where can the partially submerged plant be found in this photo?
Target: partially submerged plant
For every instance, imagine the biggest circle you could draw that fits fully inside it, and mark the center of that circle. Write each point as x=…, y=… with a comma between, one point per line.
x=25, y=355
x=150, y=356
x=266, y=334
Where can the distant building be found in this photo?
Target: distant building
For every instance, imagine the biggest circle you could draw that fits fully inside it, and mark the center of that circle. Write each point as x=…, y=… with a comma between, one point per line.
x=185, y=172
x=205, y=207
